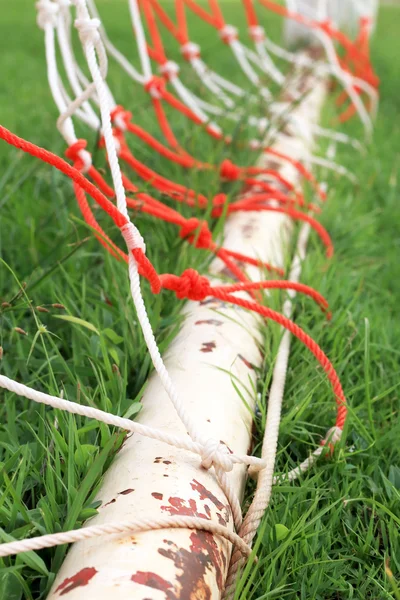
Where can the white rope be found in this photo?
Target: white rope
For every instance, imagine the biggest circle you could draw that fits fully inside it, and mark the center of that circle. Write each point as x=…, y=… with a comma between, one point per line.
x=348, y=81
x=265, y=477
x=139, y=524
x=70, y=63
x=114, y=52
x=211, y=452
x=140, y=39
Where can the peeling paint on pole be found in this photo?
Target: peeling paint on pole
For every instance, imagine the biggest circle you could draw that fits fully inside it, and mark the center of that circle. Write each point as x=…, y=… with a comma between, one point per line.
x=217, y=352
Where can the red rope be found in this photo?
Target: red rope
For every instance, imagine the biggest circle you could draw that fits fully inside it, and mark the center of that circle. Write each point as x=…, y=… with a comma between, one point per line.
x=190, y=284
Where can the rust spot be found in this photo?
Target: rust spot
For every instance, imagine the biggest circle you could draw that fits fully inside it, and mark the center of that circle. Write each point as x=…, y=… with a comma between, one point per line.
x=165, y=475
x=157, y=495
x=221, y=519
x=226, y=272
x=208, y=421
x=205, y=493
x=194, y=563
x=208, y=346
x=179, y=506
x=217, y=303
x=167, y=462
x=273, y=165
x=80, y=579
x=111, y=502
x=246, y=362
x=151, y=580
x=215, y=322
x=248, y=229
x=126, y=492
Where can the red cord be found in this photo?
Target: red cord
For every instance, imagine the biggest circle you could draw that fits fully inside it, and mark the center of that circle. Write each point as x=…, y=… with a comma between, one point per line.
x=190, y=284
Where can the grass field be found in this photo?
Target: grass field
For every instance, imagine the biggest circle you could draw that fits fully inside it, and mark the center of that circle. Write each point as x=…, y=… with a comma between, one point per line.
x=342, y=520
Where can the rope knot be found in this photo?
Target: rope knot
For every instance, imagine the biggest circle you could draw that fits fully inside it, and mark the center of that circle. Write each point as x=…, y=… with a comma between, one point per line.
x=219, y=200
x=197, y=233
x=79, y=156
x=88, y=30
x=190, y=50
x=255, y=144
x=155, y=86
x=228, y=34
x=257, y=33
x=214, y=454
x=169, y=70
x=121, y=117
x=133, y=237
x=228, y=170
x=191, y=285
x=47, y=13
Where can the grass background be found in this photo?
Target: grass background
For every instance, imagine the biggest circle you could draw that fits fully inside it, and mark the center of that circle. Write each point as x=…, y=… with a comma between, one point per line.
x=338, y=529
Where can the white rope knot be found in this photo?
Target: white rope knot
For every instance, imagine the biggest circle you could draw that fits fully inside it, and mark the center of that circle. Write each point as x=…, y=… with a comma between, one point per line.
x=170, y=69
x=213, y=453
x=255, y=144
x=133, y=237
x=47, y=13
x=262, y=124
x=190, y=50
x=228, y=34
x=333, y=435
x=88, y=30
x=257, y=33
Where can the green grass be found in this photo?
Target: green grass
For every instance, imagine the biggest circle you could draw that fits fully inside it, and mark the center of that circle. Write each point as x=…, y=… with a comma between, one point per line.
x=343, y=518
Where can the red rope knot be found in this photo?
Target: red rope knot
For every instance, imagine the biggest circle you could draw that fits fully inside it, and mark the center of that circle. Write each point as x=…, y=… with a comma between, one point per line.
x=190, y=285
x=214, y=454
x=228, y=34
x=228, y=170
x=121, y=117
x=257, y=33
x=80, y=157
x=155, y=86
x=169, y=70
x=132, y=237
x=197, y=233
x=190, y=50
x=219, y=200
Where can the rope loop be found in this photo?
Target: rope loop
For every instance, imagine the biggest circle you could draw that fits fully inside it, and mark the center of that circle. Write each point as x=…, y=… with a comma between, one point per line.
x=214, y=454
x=169, y=69
x=257, y=33
x=133, y=237
x=190, y=285
x=47, y=13
x=190, y=50
x=121, y=117
x=228, y=34
x=197, y=233
x=81, y=158
x=88, y=30
x=155, y=86
x=228, y=170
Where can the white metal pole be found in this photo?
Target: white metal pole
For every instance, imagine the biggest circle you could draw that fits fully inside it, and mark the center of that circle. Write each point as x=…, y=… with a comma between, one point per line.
x=213, y=362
